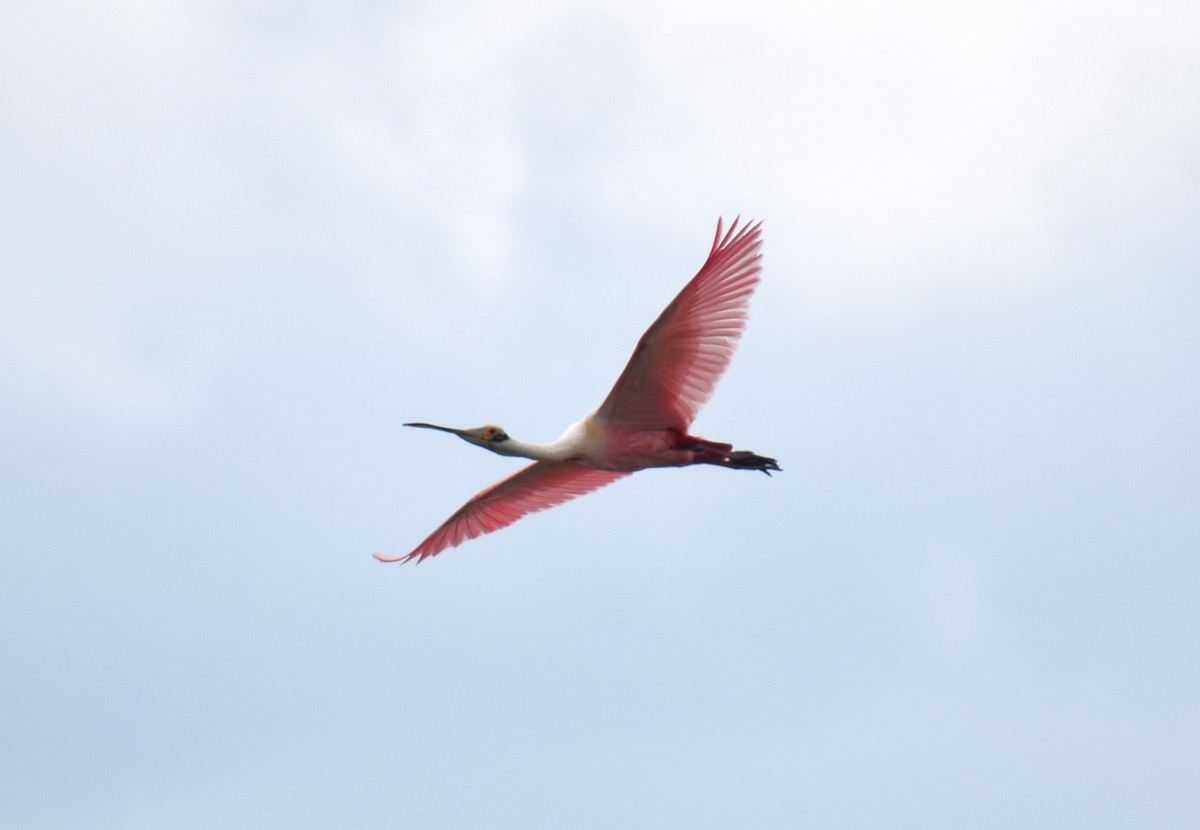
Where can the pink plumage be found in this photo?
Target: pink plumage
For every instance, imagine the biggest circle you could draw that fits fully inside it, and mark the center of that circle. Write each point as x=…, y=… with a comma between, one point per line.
x=680, y=358
x=644, y=420
x=541, y=485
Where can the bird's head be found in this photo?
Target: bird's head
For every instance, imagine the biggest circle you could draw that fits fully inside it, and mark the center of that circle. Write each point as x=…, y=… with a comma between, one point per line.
x=490, y=437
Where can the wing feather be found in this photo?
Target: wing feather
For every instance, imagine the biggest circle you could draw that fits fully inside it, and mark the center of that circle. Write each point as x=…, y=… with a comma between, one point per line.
x=680, y=358
x=539, y=486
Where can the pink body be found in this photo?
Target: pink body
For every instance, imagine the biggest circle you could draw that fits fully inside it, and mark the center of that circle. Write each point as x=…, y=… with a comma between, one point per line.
x=628, y=451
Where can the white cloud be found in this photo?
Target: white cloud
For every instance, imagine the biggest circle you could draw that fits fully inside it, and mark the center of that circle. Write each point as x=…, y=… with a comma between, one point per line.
x=67, y=345
x=360, y=163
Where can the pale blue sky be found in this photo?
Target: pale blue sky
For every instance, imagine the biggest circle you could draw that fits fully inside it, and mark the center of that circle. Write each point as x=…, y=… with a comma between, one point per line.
x=241, y=243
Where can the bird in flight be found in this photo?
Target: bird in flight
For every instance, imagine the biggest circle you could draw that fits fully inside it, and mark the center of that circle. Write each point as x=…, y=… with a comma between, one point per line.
x=644, y=420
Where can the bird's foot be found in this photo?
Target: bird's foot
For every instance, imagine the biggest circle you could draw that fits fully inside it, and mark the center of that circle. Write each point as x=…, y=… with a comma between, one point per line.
x=746, y=460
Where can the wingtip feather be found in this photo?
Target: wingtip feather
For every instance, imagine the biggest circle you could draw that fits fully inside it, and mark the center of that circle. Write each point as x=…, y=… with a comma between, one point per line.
x=724, y=238
x=382, y=557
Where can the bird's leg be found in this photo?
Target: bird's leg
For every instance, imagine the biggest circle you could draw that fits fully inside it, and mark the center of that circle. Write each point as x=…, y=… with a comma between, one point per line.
x=724, y=455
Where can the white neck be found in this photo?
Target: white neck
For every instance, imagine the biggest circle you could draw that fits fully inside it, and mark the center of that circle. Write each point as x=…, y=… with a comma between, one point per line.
x=554, y=451
x=574, y=443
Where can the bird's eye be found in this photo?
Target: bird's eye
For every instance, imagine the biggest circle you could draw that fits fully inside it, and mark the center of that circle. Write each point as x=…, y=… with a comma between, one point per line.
x=498, y=437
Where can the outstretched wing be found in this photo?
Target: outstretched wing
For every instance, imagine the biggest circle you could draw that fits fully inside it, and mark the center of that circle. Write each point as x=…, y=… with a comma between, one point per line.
x=680, y=358
x=539, y=486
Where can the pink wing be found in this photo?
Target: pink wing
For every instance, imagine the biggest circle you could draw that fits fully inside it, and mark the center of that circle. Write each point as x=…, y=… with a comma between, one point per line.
x=680, y=358
x=539, y=486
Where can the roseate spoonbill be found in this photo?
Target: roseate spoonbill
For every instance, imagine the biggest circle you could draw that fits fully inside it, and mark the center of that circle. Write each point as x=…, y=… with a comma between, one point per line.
x=644, y=420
